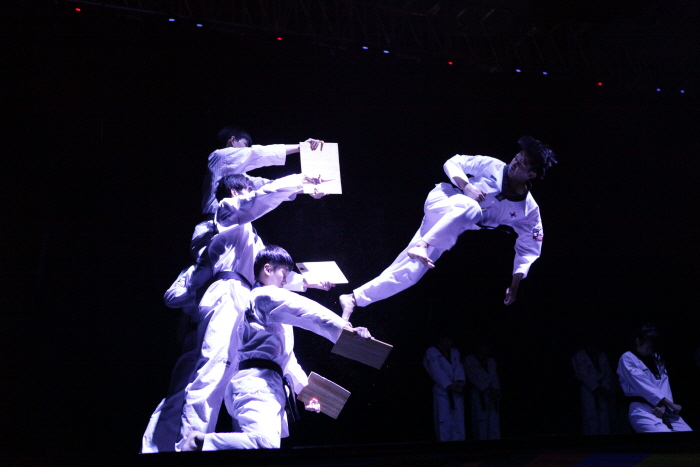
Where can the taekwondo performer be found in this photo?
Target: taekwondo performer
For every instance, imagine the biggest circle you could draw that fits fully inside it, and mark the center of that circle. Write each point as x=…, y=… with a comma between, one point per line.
x=238, y=155
x=644, y=381
x=256, y=395
x=592, y=369
x=444, y=366
x=488, y=193
x=486, y=394
x=230, y=256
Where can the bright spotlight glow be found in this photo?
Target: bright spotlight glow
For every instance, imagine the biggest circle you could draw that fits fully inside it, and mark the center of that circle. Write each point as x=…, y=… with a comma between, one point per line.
x=171, y=20
x=199, y=25
x=658, y=89
x=77, y=9
x=682, y=91
x=279, y=38
x=599, y=83
x=517, y=70
x=544, y=72
x=365, y=48
x=386, y=51
x=449, y=63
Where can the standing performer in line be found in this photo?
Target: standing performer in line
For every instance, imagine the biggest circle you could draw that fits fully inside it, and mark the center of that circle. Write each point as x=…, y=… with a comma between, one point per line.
x=644, y=380
x=488, y=193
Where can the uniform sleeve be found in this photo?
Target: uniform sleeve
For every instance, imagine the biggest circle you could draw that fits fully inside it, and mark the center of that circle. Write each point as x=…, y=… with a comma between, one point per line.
x=244, y=209
x=295, y=282
x=464, y=166
x=285, y=307
x=528, y=245
x=291, y=366
x=634, y=379
x=477, y=376
x=431, y=362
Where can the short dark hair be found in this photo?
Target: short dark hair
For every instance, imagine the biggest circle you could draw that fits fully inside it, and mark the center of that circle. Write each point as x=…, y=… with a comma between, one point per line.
x=273, y=255
x=236, y=182
x=226, y=133
x=540, y=156
x=648, y=332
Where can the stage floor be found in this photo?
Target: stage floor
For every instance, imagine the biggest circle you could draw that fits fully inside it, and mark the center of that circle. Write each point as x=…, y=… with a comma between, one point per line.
x=674, y=449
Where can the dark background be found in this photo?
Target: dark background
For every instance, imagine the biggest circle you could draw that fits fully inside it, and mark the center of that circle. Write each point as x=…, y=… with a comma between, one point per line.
x=107, y=123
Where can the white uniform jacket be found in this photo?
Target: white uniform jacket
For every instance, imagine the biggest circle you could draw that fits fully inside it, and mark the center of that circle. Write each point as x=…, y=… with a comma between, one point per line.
x=442, y=371
x=523, y=215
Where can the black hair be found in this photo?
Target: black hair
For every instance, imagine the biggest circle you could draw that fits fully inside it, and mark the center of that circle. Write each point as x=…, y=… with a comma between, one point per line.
x=226, y=133
x=273, y=255
x=236, y=182
x=539, y=156
x=654, y=362
x=647, y=332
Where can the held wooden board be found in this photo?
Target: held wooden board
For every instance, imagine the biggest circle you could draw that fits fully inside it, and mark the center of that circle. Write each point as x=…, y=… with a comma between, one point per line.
x=368, y=351
x=331, y=396
x=317, y=271
x=323, y=162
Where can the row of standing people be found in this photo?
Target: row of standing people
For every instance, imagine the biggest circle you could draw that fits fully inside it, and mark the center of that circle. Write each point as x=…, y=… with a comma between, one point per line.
x=640, y=387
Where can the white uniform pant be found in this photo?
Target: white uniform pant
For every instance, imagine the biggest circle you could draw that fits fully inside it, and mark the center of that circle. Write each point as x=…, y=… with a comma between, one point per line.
x=595, y=413
x=163, y=430
x=256, y=400
x=644, y=421
x=221, y=310
x=486, y=423
x=447, y=213
x=449, y=422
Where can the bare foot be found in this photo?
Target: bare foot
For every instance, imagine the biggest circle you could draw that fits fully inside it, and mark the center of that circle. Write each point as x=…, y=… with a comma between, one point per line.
x=348, y=303
x=194, y=441
x=420, y=252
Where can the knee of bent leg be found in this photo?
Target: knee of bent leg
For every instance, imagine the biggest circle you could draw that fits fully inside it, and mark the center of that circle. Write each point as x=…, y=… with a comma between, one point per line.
x=265, y=440
x=467, y=206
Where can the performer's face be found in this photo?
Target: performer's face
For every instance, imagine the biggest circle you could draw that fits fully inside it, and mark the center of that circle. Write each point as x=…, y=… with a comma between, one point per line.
x=278, y=276
x=519, y=168
x=645, y=348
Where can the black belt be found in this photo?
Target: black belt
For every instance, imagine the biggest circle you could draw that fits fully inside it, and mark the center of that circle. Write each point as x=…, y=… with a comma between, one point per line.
x=290, y=405
x=227, y=275
x=664, y=419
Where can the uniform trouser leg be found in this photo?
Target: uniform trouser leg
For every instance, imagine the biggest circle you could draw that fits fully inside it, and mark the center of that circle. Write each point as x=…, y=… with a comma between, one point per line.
x=163, y=429
x=221, y=314
x=255, y=400
x=643, y=421
x=447, y=213
x=449, y=422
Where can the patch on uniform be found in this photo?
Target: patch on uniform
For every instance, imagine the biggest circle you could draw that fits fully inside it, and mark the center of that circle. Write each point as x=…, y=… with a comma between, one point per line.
x=512, y=215
x=537, y=234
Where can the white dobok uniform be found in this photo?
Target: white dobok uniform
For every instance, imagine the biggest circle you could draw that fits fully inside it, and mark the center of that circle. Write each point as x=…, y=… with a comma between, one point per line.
x=595, y=410
x=638, y=381
x=222, y=306
x=448, y=213
x=486, y=422
x=255, y=397
x=229, y=161
x=448, y=415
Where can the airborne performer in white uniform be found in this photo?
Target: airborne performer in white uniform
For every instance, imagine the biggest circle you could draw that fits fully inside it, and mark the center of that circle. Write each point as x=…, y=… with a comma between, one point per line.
x=488, y=193
x=444, y=365
x=644, y=380
x=256, y=397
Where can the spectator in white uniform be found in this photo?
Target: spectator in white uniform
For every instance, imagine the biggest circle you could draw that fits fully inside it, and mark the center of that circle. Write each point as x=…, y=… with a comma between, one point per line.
x=444, y=365
x=485, y=394
x=644, y=381
x=592, y=370
x=256, y=396
x=488, y=193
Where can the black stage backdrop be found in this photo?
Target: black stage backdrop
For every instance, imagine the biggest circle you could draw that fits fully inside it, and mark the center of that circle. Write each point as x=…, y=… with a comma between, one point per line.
x=107, y=124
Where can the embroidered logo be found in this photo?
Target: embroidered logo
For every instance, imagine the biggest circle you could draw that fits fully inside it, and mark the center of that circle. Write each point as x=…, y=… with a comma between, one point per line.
x=512, y=215
x=537, y=234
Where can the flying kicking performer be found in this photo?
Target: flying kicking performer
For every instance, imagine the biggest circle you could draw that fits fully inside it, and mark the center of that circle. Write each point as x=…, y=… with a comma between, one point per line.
x=486, y=193
x=256, y=397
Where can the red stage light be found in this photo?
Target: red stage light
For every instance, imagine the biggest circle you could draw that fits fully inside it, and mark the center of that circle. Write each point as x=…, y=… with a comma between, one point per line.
x=77, y=9
x=449, y=63
x=279, y=38
x=600, y=84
